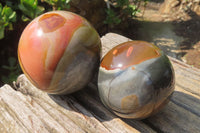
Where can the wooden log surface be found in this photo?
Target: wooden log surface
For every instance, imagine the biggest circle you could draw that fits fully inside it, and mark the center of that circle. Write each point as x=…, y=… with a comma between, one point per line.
x=25, y=109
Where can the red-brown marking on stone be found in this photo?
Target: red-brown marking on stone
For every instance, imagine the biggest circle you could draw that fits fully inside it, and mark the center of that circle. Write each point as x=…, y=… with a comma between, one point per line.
x=50, y=22
x=130, y=50
x=133, y=68
x=136, y=51
x=130, y=102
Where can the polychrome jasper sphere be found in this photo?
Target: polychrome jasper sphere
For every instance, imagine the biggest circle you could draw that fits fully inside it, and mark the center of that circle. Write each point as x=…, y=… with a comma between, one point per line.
x=59, y=52
x=135, y=79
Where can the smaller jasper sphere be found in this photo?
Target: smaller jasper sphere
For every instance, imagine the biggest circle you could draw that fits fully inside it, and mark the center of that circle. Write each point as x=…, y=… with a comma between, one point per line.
x=59, y=52
x=135, y=79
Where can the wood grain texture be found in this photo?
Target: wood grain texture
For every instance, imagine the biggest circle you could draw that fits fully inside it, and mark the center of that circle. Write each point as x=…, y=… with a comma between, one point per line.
x=26, y=109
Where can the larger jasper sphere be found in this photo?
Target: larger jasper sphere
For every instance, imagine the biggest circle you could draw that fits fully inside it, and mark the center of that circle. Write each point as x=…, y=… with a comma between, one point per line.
x=135, y=79
x=59, y=52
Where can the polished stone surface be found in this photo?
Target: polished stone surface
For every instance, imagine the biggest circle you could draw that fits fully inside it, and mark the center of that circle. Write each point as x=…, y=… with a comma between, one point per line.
x=59, y=52
x=135, y=79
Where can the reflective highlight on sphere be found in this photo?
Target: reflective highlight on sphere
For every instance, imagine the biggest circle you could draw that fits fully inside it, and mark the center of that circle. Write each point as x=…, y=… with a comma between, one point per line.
x=136, y=79
x=56, y=49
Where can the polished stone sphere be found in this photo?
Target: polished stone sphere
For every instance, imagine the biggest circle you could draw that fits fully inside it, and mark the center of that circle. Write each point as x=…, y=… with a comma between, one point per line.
x=135, y=79
x=59, y=52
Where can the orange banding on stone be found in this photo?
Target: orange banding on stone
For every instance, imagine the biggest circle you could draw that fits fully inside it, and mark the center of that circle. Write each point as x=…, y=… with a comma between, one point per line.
x=128, y=54
x=51, y=22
